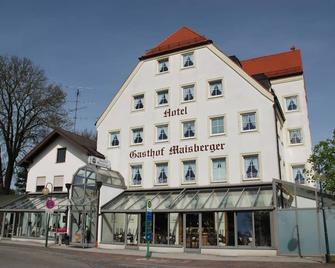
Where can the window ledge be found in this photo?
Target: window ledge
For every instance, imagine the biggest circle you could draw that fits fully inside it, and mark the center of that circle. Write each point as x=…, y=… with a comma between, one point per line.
x=251, y=179
x=215, y=97
x=188, y=182
x=188, y=67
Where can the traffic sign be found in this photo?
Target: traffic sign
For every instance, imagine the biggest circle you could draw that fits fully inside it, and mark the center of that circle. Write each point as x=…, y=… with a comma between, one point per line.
x=50, y=204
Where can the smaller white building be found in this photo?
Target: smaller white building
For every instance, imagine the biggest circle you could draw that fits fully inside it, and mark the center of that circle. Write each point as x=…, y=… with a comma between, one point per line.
x=55, y=160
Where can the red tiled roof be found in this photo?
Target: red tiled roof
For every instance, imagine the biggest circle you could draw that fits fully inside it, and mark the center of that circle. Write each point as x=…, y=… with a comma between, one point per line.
x=183, y=38
x=276, y=65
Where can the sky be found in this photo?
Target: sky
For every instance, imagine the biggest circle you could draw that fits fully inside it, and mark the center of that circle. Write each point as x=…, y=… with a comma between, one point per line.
x=94, y=45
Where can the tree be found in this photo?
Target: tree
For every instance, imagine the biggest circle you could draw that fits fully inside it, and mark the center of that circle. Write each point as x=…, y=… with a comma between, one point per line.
x=87, y=133
x=29, y=106
x=322, y=163
x=21, y=179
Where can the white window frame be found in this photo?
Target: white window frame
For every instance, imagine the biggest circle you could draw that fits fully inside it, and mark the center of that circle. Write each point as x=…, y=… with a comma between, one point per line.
x=209, y=88
x=182, y=87
x=157, y=97
x=110, y=138
x=211, y=125
x=211, y=159
x=133, y=109
x=158, y=65
x=156, y=182
x=57, y=185
x=131, y=174
x=182, y=60
x=156, y=132
x=183, y=181
x=132, y=136
x=182, y=129
x=301, y=136
x=244, y=177
x=292, y=172
x=285, y=104
x=241, y=121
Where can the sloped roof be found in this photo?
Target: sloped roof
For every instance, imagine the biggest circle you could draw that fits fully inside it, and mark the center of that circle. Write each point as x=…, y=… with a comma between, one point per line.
x=85, y=144
x=183, y=38
x=275, y=66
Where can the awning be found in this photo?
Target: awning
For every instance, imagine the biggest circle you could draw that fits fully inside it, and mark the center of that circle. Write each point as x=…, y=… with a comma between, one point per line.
x=35, y=203
x=191, y=199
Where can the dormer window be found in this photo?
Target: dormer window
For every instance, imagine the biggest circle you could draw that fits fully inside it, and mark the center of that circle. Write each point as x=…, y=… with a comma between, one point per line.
x=138, y=102
x=61, y=154
x=163, y=97
x=188, y=60
x=215, y=88
x=163, y=65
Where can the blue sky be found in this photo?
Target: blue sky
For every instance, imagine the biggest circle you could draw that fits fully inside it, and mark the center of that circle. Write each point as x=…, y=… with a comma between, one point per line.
x=95, y=44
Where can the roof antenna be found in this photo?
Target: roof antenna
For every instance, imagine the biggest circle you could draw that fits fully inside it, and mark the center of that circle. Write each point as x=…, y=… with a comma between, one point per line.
x=75, y=111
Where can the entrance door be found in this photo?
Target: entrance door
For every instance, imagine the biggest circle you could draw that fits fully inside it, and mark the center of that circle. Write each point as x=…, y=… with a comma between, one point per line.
x=192, y=230
x=132, y=229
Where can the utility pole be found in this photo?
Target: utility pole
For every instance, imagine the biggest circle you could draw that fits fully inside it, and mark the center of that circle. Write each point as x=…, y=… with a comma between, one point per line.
x=75, y=111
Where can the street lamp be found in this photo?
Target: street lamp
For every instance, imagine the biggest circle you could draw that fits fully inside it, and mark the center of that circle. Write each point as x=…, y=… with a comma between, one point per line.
x=68, y=187
x=98, y=185
x=45, y=192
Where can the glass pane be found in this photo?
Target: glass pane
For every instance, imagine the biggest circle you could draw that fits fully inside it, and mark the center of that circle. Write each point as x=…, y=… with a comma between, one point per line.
x=248, y=121
x=231, y=199
x=264, y=198
x=248, y=198
x=119, y=227
x=107, y=228
x=226, y=228
x=244, y=228
x=198, y=201
x=188, y=93
x=184, y=201
x=158, y=199
x=142, y=202
x=132, y=231
x=287, y=232
x=161, y=228
x=262, y=228
x=209, y=232
x=192, y=230
x=215, y=200
x=176, y=229
x=168, y=202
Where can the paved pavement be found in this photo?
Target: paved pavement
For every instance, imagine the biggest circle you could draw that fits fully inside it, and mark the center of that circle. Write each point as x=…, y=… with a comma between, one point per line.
x=18, y=255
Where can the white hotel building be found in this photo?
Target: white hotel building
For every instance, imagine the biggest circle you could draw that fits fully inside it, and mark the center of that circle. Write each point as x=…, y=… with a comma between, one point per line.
x=208, y=138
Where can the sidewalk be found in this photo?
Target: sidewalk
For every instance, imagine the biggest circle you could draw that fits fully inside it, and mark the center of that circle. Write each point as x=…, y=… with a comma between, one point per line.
x=182, y=256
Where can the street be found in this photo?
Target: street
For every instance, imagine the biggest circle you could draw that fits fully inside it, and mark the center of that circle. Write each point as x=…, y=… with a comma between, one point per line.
x=18, y=256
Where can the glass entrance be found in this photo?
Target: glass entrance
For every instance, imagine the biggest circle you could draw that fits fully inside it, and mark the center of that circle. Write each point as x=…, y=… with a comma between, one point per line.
x=132, y=229
x=192, y=230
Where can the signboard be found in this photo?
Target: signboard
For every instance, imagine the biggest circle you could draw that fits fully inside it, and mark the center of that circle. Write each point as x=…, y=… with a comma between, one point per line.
x=93, y=160
x=50, y=205
x=148, y=227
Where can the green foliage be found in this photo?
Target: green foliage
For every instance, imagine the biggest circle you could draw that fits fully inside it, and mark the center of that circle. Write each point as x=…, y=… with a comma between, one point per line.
x=322, y=163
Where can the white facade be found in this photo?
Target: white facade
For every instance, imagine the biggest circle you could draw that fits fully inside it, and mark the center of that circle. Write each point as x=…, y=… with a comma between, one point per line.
x=241, y=94
x=45, y=165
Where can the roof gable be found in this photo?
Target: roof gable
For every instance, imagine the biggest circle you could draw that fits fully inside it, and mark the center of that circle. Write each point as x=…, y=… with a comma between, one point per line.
x=88, y=146
x=275, y=66
x=183, y=38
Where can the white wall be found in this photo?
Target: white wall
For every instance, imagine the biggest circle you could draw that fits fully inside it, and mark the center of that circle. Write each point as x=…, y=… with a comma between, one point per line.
x=45, y=164
x=294, y=154
x=239, y=96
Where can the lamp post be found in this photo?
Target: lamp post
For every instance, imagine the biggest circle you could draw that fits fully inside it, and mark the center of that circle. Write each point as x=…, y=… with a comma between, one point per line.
x=98, y=185
x=68, y=187
x=45, y=192
x=325, y=228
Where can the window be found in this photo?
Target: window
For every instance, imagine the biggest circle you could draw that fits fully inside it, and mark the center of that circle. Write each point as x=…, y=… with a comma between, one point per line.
x=162, y=97
x=244, y=228
x=249, y=121
x=217, y=125
x=58, y=183
x=251, y=166
x=219, y=169
x=291, y=103
x=137, y=135
x=298, y=174
x=162, y=133
x=61, y=153
x=189, y=170
x=188, y=60
x=188, y=93
x=215, y=88
x=40, y=183
x=138, y=102
x=163, y=65
x=189, y=129
x=114, y=138
x=136, y=175
x=162, y=173
x=295, y=136
x=262, y=229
